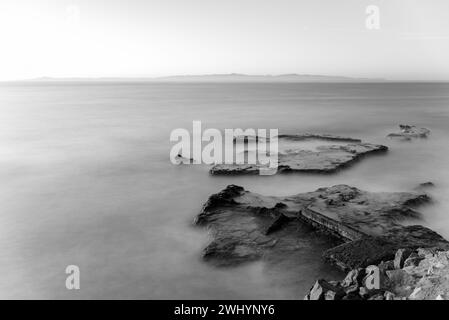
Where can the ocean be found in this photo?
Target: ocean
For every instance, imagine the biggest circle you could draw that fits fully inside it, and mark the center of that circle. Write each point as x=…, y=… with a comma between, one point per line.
x=86, y=179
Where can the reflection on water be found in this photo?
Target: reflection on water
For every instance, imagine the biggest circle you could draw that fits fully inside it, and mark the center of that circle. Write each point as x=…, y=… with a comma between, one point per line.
x=86, y=180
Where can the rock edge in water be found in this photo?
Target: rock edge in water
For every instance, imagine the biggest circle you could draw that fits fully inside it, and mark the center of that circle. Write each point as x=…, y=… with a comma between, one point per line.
x=408, y=132
x=326, y=159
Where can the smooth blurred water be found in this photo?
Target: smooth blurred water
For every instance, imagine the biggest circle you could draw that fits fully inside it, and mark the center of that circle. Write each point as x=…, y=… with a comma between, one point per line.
x=85, y=179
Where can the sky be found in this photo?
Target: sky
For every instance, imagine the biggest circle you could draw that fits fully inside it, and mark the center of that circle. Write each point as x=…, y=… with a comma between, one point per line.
x=140, y=38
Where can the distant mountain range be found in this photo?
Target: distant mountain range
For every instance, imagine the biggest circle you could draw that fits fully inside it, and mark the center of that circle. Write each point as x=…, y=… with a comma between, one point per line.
x=232, y=77
x=235, y=77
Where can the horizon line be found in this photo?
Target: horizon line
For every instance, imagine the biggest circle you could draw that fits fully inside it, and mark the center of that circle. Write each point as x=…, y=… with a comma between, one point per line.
x=227, y=77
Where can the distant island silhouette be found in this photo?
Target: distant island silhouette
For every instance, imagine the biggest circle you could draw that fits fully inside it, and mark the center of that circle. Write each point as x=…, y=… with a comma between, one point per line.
x=231, y=77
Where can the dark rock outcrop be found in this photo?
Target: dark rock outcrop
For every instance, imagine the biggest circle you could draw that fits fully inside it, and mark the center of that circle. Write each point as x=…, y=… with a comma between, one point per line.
x=408, y=132
x=293, y=157
x=362, y=228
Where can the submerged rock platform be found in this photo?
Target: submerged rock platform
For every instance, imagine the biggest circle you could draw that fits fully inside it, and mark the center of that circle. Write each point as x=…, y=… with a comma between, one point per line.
x=329, y=153
x=364, y=227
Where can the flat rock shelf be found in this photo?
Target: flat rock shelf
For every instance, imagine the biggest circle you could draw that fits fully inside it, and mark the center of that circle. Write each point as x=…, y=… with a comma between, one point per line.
x=314, y=153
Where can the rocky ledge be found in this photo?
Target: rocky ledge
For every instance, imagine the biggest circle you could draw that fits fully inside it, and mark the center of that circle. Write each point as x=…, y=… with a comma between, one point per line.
x=408, y=132
x=421, y=274
x=364, y=228
x=294, y=157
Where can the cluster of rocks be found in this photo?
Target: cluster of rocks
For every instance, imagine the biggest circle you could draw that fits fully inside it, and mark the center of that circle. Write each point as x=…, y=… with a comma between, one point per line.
x=360, y=232
x=421, y=274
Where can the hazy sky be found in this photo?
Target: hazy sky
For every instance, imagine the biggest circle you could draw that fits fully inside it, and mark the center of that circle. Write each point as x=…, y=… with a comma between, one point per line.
x=62, y=38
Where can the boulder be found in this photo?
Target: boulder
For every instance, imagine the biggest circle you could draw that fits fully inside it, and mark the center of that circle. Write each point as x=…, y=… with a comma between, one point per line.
x=354, y=277
x=323, y=290
x=428, y=252
x=413, y=260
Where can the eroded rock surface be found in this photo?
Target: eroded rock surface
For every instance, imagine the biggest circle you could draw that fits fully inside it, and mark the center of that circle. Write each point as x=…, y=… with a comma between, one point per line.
x=408, y=132
x=361, y=228
x=373, y=250
x=296, y=154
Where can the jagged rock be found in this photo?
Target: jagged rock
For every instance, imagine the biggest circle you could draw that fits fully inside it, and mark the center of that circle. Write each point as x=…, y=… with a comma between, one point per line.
x=400, y=257
x=408, y=132
x=323, y=290
x=366, y=226
x=411, y=282
x=415, y=295
x=428, y=252
x=386, y=265
x=413, y=260
x=354, y=277
x=293, y=157
x=435, y=283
